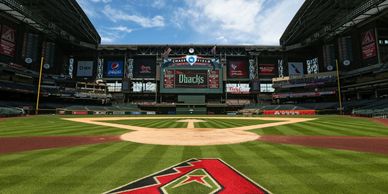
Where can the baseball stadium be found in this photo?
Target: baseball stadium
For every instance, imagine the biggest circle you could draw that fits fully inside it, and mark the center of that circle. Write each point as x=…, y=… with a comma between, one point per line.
x=308, y=115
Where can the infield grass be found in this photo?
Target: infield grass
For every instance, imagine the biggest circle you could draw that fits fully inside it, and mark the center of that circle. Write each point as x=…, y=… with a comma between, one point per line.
x=279, y=168
x=173, y=123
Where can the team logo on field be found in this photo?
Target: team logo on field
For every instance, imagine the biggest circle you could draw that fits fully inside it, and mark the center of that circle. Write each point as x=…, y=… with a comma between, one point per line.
x=200, y=176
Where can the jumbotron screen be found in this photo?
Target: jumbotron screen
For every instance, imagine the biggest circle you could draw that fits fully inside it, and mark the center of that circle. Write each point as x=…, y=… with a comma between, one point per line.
x=191, y=79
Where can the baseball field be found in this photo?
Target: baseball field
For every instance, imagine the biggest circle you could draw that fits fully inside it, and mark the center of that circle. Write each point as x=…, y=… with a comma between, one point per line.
x=98, y=154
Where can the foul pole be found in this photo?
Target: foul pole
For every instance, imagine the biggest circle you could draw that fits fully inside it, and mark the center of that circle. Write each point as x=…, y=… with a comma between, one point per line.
x=339, y=88
x=39, y=83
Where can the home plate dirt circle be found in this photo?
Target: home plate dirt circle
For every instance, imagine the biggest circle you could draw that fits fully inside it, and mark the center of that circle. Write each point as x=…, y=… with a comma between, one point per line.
x=189, y=136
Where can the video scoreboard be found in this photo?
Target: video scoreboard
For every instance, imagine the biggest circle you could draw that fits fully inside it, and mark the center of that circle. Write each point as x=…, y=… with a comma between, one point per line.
x=191, y=80
x=191, y=74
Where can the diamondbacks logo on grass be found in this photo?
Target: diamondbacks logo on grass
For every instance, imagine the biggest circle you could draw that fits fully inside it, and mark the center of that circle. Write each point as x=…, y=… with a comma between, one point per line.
x=200, y=176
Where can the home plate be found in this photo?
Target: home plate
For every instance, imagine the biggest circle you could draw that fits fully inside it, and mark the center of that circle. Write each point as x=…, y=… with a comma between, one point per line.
x=190, y=122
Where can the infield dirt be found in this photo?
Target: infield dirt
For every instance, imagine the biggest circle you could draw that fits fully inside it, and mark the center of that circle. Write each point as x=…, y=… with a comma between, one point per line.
x=189, y=136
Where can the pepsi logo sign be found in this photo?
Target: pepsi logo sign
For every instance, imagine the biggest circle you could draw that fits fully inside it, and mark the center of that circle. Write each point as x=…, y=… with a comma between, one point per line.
x=115, y=66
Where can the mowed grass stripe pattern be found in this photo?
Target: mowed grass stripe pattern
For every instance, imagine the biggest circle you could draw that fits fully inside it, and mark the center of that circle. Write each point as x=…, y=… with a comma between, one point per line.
x=52, y=126
x=229, y=123
x=173, y=123
x=280, y=168
x=323, y=126
x=152, y=123
x=329, y=126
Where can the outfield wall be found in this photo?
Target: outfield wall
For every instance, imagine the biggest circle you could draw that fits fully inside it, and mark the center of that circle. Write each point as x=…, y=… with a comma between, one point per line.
x=290, y=112
x=65, y=112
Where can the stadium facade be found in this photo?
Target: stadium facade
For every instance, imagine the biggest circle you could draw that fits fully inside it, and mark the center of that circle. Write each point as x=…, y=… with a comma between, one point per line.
x=323, y=37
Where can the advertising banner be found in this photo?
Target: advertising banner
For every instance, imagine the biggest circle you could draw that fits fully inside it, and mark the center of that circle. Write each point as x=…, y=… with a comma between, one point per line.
x=85, y=69
x=266, y=69
x=289, y=112
x=137, y=86
x=329, y=57
x=238, y=69
x=115, y=68
x=369, y=51
x=345, y=50
x=267, y=88
x=368, y=42
x=238, y=88
x=49, y=54
x=8, y=34
x=80, y=112
x=295, y=69
x=144, y=67
x=30, y=48
x=7, y=48
x=149, y=87
x=312, y=66
x=144, y=87
x=7, y=41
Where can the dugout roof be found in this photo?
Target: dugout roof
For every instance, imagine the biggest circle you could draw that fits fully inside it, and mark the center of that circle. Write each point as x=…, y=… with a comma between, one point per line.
x=63, y=19
x=318, y=19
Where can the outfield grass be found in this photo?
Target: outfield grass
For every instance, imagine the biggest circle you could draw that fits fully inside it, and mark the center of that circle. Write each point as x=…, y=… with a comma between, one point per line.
x=157, y=123
x=279, y=168
x=225, y=123
x=323, y=126
x=330, y=126
x=52, y=126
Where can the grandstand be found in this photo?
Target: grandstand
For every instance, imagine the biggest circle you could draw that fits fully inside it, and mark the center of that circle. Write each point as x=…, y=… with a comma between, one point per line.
x=82, y=76
x=65, y=34
x=11, y=111
x=350, y=36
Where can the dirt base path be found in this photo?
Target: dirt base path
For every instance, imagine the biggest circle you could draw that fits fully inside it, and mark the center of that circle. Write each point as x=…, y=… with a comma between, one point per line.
x=19, y=144
x=189, y=136
x=361, y=144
